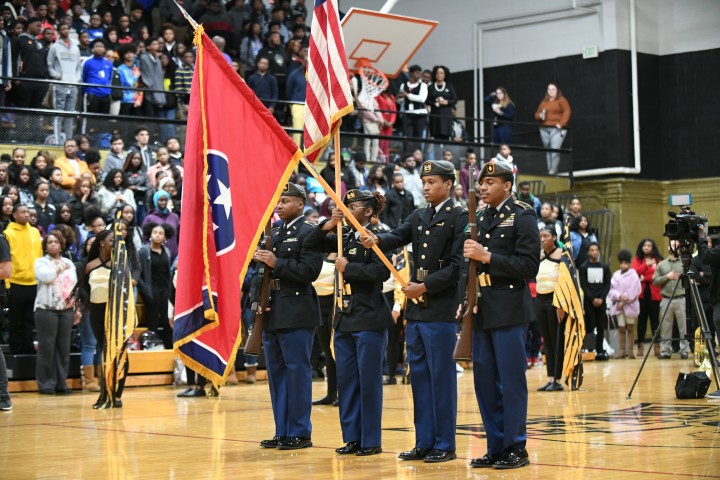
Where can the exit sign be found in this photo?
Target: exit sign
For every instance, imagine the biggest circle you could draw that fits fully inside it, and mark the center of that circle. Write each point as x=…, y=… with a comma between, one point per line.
x=590, y=52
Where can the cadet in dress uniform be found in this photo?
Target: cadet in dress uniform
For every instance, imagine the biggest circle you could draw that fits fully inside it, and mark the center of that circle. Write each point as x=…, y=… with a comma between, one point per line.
x=289, y=326
x=507, y=255
x=360, y=325
x=437, y=234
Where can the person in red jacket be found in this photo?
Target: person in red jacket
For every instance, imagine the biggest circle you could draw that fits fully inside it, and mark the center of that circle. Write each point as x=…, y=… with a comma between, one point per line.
x=646, y=259
x=386, y=103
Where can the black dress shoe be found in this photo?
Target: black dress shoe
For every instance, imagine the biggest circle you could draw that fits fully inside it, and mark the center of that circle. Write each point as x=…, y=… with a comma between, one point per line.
x=271, y=443
x=602, y=357
x=416, y=453
x=67, y=391
x=200, y=392
x=325, y=401
x=438, y=456
x=350, y=447
x=546, y=388
x=46, y=392
x=365, y=451
x=512, y=459
x=390, y=381
x=556, y=387
x=336, y=403
x=486, y=461
x=294, y=443
x=117, y=403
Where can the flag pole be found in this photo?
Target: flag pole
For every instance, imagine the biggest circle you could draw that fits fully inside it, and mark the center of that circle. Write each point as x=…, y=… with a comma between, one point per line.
x=338, y=201
x=338, y=192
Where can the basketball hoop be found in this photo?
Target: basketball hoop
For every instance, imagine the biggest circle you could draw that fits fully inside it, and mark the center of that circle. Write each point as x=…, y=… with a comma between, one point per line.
x=373, y=84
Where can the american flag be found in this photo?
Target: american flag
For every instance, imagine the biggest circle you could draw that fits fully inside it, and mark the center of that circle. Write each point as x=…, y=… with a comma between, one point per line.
x=328, y=94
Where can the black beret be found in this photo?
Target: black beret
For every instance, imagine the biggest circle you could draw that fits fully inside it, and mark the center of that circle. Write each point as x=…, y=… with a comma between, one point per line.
x=356, y=195
x=437, y=167
x=292, y=190
x=496, y=169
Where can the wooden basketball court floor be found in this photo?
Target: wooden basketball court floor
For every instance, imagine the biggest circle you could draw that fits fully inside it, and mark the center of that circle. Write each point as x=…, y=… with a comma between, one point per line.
x=591, y=434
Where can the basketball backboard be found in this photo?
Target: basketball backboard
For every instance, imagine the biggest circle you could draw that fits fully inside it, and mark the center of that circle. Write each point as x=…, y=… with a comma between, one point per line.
x=387, y=41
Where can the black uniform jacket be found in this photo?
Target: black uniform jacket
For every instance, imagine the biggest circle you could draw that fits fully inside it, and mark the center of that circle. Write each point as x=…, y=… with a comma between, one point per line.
x=365, y=273
x=513, y=239
x=294, y=304
x=437, y=244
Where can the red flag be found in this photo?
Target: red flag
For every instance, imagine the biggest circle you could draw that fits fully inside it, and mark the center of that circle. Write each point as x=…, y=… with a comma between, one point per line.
x=237, y=161
x=328, y=95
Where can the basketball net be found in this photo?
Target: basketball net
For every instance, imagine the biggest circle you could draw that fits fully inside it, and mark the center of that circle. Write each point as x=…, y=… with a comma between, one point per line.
x=373, y=84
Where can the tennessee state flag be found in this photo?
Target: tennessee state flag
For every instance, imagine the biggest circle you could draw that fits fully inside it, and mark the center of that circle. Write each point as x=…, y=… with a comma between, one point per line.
x=237, y=161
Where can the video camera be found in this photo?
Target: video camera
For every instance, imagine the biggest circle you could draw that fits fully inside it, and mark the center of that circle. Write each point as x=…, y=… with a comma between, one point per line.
x=683, y=226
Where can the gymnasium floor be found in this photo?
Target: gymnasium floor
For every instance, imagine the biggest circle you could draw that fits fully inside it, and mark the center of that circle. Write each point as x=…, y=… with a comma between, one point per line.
x=591, y=434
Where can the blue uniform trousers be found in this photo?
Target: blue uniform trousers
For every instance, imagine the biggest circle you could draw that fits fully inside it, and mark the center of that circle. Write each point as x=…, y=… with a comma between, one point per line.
x=499, y=366
x=359, y=361
x=287, y=356
x=433, y=380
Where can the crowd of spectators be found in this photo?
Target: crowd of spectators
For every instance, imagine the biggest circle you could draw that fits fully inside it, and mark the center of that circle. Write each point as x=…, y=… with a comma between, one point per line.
x=147, y=48
x=54, y=210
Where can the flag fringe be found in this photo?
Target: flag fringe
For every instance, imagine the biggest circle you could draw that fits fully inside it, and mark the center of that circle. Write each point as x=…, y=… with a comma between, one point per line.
x=192, y=363
x=211, y=314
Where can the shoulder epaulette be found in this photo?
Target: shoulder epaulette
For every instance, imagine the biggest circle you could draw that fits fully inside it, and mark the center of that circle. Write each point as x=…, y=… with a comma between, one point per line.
x=311, y=223
x=522, y=205
x=274, y=229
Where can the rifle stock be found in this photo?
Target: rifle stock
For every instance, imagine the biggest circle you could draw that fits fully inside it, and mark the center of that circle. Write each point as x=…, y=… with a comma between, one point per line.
x=463, y=346
x=253, y=346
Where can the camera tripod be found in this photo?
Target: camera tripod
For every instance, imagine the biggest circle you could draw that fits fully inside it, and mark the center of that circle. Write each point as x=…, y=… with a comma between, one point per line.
x=692, y=304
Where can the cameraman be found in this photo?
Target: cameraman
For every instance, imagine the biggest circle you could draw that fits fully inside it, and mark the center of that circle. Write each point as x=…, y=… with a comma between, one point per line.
x=667, y=277
x=711, y=256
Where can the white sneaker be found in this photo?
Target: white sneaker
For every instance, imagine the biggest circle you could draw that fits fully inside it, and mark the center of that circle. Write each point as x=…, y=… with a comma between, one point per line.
x=458, y=368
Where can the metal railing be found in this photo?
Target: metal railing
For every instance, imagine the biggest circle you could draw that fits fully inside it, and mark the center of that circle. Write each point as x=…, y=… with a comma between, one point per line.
x=528, y=155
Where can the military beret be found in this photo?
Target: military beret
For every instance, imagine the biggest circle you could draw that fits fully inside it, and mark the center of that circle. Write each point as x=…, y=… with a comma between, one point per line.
x=437, y=167
x=292, y=190
x=495, y=168
x=356, y=195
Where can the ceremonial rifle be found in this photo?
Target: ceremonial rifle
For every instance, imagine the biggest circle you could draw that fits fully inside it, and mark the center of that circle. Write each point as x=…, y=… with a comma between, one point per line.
x=260, y=302
x=463, y=347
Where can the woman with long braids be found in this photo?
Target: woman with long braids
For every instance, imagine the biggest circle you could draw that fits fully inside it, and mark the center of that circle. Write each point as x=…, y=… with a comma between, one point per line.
x=97, y=282
x=546, y=313
x=360, y=325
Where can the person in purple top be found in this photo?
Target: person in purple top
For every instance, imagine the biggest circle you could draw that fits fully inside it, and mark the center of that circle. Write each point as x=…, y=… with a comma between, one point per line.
x=160, y=214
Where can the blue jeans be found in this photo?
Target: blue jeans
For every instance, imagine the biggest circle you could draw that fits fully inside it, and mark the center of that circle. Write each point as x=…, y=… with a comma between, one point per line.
x=64, y=99
x=88, y=355
x=552, y=138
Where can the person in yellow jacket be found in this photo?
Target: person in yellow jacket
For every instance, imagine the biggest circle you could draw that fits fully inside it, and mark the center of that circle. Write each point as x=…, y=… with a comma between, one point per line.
x=25, y=247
